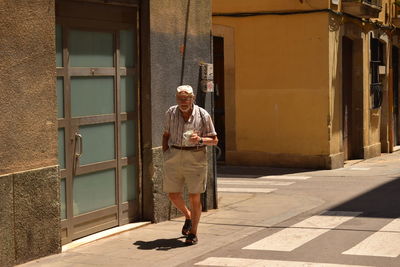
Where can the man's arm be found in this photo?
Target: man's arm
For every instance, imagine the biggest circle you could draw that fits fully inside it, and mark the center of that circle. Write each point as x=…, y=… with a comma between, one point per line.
x=210, y=140
x=165, y=139
x=207, y=140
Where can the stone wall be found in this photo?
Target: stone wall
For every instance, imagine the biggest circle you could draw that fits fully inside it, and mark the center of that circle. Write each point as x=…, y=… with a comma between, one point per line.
x=29, y=177
x=7, y=247
x=166, y=49
x=29, y=215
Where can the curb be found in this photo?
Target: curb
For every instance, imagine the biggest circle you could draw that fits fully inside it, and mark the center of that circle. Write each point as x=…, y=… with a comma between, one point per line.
x=103, y=234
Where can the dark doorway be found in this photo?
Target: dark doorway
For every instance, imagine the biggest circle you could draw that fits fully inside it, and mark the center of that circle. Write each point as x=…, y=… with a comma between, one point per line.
x=395, y=64
x=219, y=96
x=347, y=78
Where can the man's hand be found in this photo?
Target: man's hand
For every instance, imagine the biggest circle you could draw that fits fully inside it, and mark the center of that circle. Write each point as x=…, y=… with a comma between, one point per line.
x=165, y=139
x=195, y=138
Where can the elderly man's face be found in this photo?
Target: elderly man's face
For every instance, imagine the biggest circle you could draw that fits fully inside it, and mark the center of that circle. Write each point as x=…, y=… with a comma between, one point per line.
x=184, y=101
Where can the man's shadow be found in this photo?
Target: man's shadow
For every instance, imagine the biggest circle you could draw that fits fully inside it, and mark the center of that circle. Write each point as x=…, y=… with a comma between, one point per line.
x=160, y=244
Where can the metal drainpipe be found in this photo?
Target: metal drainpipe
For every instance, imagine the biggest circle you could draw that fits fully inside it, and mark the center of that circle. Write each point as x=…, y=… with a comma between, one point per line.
x=185, y=41
x=201, y=100
x=215, y=206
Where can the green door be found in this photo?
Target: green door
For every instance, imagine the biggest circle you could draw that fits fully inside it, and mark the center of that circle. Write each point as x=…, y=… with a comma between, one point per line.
x=98, y=117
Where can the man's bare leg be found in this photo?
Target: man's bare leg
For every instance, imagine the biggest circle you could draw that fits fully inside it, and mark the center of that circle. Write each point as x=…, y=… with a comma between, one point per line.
x=177, y=200
x=196, y=211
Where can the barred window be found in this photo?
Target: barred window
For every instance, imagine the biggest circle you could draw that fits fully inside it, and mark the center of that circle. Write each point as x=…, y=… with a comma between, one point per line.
x=377, y=60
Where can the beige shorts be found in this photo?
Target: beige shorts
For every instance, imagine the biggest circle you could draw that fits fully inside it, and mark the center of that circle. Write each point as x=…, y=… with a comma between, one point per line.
x=185, y=167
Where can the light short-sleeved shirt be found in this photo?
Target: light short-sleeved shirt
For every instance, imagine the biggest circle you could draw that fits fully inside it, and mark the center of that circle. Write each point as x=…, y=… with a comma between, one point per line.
x=175, y=125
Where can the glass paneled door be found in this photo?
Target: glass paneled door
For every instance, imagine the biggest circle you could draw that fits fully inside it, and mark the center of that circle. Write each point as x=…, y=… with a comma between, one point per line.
x=98, y=119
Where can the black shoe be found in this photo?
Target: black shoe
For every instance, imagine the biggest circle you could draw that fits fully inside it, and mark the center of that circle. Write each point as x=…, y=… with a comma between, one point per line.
x=187, y=227
x=191, y=239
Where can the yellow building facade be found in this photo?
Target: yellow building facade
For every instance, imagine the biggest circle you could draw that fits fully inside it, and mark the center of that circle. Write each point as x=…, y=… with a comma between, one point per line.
x=306, y=83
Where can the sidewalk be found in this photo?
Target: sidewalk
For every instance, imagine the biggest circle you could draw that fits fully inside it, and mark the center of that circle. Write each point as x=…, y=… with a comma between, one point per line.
x=239, y=215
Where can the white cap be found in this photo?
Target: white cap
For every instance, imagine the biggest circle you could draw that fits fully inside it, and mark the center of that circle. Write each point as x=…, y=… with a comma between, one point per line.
x=185, y=88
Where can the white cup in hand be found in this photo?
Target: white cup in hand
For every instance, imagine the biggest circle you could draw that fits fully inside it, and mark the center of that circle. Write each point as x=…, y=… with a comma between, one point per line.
x=186, y=137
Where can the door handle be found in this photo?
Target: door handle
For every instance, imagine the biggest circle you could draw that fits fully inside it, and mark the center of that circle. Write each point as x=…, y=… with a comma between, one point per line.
x=78, y=137
x=216, y=89
x=77, y=153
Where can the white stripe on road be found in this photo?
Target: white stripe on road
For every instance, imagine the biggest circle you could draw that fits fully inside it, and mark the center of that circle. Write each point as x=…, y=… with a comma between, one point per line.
x=285, y=177
x=253, y=182
x=291, y=238
x=384, y=243
x=241, y=262
x=246, y=190
x=359, y=169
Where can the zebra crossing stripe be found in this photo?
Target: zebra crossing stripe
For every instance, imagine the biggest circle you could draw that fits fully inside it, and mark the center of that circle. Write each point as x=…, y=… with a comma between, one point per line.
x=253, y=182
x=298, y=234
x=246, y=190
x=359, y=169
x=242, y=262
x=285, y=177
x=384, y=243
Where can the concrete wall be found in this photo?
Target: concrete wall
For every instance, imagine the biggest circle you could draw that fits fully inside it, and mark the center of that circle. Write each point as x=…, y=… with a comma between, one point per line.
x=286, y=84
x=27, y=84
x=385, y=115
x=281, y=86
x=29, y=181
x=377, y=122
x=365, y=120
x=335, y=92
x=270, y=5
x=373, y=116
x=166, y=28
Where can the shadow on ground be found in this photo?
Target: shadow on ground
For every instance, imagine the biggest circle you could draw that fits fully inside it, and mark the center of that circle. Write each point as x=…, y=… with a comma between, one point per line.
x=160, y=244
x=380, y=202
x=226, y=171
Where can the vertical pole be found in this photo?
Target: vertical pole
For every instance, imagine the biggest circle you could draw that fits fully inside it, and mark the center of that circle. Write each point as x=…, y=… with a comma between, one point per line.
x=390, y=96
x=201, y=100
x=185, y=41
x=214, y=157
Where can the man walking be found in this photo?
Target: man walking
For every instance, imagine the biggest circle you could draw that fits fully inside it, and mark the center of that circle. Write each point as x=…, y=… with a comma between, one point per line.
x=188, y=130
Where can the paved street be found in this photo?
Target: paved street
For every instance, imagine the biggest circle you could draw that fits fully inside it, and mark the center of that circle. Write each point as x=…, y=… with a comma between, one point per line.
x=273, y=217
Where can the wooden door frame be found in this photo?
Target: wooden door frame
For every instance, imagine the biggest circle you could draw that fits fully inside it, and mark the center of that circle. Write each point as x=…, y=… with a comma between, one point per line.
x=357, y=113
x=394, y=124
x=219, y=108
x=227, y=33
x=347, y=98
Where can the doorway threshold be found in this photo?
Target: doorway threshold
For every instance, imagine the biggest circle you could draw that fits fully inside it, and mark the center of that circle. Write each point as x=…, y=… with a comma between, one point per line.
x=103, y=234
x=351, y=162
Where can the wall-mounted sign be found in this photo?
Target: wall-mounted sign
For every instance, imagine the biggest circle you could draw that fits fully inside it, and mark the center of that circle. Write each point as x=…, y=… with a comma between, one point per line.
x=207, y=76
